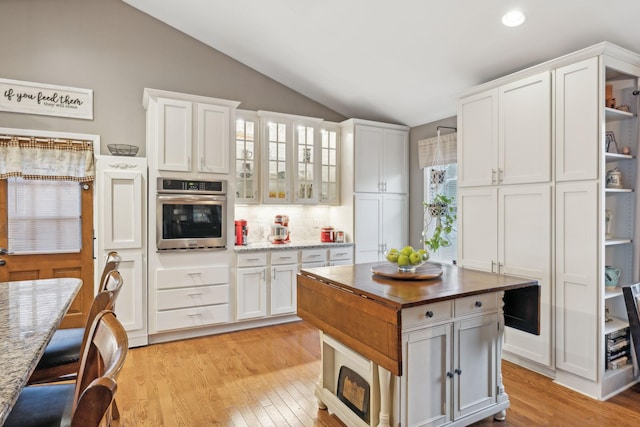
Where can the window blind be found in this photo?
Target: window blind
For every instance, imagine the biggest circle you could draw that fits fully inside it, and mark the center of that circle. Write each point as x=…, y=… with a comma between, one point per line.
x=43, y=216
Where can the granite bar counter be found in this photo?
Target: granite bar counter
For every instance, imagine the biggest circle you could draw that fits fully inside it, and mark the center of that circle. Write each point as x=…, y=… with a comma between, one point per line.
x=30, y=312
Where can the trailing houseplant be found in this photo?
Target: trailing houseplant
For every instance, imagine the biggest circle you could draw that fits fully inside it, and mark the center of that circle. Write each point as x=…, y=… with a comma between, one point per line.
x=441, y=208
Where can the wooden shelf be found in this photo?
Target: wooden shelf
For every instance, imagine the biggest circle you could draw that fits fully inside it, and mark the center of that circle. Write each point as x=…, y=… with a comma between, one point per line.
x=615, y=241
x=612, y=157
x=612, y=292
x=618, y=190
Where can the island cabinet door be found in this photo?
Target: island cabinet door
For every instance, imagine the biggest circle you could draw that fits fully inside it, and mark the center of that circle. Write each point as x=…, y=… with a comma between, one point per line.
x=428, y=376
x=474, y=364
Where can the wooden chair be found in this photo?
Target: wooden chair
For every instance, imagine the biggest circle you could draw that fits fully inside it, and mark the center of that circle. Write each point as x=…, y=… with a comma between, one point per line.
x=89, y=402
x=61, y=358
x=632, y=300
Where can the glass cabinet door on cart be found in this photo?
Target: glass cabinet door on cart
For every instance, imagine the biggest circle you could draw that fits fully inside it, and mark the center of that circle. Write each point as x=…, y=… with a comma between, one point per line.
x=276, y=181
x=246, y=160
x=329, y=166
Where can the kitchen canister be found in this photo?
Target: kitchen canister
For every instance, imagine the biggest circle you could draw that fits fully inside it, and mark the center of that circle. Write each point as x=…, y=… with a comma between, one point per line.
x=614, y=178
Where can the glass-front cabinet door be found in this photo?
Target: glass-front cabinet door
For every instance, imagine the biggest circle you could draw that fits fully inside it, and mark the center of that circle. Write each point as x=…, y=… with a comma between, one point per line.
x=276, y=180
x=329, y=169
x=305, y=162
x=247, y=163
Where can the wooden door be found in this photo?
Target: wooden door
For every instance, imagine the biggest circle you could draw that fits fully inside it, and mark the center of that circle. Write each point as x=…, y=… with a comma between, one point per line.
x=44, y=266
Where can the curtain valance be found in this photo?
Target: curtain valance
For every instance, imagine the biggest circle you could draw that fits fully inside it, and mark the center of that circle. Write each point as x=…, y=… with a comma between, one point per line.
x=432, y=153
x=46, y=159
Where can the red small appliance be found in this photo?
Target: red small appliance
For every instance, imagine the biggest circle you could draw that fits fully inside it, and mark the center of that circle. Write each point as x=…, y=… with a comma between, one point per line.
x=241, y=232
x=327, y=234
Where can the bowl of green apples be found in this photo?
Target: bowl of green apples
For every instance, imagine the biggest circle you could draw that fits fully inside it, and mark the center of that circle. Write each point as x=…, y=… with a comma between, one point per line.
x=407, y=259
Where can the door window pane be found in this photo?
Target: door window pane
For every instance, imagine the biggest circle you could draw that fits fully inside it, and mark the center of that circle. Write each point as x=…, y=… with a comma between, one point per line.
x=44, y=216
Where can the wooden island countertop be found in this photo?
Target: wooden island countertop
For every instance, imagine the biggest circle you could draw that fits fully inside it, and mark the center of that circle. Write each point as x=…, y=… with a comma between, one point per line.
x=363, y=310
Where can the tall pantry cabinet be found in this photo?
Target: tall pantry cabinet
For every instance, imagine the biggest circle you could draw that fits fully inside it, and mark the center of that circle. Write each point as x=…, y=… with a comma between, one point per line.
x=565, y=227
x=379, y=182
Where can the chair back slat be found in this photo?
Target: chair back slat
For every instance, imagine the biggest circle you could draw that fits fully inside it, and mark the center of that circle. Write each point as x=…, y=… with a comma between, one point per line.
x=112, y=263
x=102, y=360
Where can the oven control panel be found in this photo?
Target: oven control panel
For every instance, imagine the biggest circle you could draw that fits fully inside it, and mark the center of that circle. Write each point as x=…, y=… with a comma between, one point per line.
x=168, y=185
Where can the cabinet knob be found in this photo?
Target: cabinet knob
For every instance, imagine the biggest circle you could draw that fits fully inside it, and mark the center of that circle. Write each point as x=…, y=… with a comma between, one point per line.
x=449, y=374
x=458, y=371
x=478, y=304
x=429, y=313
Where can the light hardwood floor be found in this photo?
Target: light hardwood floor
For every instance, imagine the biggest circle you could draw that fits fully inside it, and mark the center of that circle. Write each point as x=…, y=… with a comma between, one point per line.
x=265, y=377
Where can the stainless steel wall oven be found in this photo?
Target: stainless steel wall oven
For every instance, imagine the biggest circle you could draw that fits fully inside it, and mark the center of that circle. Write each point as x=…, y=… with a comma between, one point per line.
x=191, y=214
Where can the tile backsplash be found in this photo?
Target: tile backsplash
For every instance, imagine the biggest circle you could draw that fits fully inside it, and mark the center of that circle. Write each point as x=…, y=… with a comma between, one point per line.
x=304, y=221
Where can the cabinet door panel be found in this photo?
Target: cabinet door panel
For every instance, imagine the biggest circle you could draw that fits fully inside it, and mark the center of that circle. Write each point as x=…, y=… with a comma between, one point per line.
x=395, y=221
x=131, y=306
x=577, y=121
x=475, y=360
x=175, y=131
x=251, y=293
x=478, y=139
x=283, y=289
x=367, y=223
x=368, y=148
x=213, y=138
x=427, y=355
x=524, y=138
x=123, y=195
x=576, y=278
x=395, y=162
x=478, y=228
x=524, y=249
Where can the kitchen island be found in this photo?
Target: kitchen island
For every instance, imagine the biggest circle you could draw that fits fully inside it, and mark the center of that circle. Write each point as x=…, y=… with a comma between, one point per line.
x=410, y=352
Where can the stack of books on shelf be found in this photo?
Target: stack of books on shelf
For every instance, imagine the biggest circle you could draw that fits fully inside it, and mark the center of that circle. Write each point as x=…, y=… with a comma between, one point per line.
x=618, y=349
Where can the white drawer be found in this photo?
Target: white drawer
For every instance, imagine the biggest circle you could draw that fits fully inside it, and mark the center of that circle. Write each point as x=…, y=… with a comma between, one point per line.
x=284, y=257
x=313, y=255
x=192, y=297
x=476, y=304
x=192, y=317
x=252, y=259
x=426, y=314
x=312, y=265
x=192, y=276
x=341, y=253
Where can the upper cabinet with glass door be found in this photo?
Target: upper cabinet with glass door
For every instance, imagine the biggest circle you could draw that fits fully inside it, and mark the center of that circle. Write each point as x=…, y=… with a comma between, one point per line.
x=276, y=187
x=247, y=157
x=329, y=167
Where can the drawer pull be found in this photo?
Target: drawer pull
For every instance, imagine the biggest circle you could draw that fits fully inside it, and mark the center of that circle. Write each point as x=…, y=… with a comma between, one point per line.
x=284, y=257
x=313, y=255
x=341, y=253
x=429, y=313
x=478, y=304
x=198, y=273
x=253, y=259
x=195, y=294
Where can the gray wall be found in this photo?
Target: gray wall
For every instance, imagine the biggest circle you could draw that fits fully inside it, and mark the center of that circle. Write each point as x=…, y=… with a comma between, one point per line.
x=416, y=182
x=117, y=51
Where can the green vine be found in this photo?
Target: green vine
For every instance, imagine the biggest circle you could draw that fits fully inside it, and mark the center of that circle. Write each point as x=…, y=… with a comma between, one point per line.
x=444, y=222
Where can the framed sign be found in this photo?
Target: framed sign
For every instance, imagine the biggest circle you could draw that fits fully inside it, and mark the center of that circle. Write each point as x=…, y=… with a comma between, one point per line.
x=43, y=99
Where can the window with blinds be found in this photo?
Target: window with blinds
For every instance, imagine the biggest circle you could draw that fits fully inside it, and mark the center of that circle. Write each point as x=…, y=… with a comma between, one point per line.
x=43, y=216
x=450, y=189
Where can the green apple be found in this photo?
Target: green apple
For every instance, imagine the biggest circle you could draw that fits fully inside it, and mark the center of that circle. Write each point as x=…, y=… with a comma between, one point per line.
x=415, y=258
x=403, y=260
x=393, y=256
x=407, y=250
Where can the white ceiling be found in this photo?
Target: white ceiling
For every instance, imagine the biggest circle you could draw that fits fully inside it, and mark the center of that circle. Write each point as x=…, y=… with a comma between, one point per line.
x=402, y=61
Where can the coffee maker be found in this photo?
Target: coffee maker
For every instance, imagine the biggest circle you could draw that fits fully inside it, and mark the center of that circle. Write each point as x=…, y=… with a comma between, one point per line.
x=241, y=232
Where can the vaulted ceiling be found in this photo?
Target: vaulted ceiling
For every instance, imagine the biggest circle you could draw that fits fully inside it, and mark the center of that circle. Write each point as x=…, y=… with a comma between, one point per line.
x=402, y=61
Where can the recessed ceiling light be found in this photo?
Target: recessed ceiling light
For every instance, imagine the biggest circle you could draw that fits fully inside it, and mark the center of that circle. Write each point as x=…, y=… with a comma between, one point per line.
x=513, y=18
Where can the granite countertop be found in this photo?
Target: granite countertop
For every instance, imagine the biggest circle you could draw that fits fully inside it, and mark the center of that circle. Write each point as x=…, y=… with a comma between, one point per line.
x=30, y=312
x=303, y=244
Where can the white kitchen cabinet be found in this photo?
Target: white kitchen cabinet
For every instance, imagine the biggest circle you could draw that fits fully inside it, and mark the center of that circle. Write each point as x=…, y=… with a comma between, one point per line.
x=247, y=157
x=507, y=230
x=172, y=121
x=594, y=226
x=381, y=223
x=576, y=130
x=340, y=256
x=266, y=284
x=189, y=297
x=505, y=134
x=120, y=212
x=329, y=164
x=381, y=159
x=444, y=366
x=251, y=285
